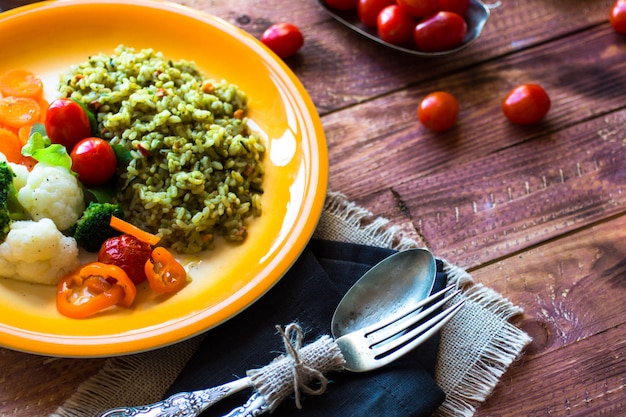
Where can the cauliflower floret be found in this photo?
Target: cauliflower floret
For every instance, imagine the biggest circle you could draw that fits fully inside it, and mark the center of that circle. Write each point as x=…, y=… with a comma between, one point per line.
x=21, y=175
x=52, y=192
x=37, y=252
x=20, y=171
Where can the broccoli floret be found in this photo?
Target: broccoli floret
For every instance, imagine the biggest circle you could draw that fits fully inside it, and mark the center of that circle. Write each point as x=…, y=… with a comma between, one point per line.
x=10, y=207
x=92, y=229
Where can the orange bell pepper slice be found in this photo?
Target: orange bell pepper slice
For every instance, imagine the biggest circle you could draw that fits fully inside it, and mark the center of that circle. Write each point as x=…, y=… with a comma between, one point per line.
x=92, y=288
x=165, y=274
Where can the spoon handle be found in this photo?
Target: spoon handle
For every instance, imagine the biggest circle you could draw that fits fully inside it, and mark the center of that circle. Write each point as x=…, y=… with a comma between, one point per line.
x=255, y=406
x=182, y=404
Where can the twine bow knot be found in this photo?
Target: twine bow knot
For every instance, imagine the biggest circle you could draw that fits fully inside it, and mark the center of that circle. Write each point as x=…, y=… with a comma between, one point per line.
x=303, y=375
x=300, y=370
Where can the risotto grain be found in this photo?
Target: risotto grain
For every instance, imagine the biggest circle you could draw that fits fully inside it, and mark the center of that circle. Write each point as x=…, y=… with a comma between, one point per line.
x=195, y=167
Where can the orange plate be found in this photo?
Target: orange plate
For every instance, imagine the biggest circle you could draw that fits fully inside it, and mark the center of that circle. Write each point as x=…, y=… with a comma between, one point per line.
x=46, y=38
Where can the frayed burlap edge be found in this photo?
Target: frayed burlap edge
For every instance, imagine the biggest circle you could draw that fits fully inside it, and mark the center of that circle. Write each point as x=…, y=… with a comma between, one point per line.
x=143, y=378
x=137, y=379
x=476, y=347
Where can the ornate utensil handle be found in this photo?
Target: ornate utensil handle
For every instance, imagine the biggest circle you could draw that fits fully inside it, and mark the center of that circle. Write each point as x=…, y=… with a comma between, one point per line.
x=182, y=404
x=255, y=406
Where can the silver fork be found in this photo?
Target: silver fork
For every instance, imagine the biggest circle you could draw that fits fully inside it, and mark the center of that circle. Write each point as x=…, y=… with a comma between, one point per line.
x=366, y=349
x=379, y=344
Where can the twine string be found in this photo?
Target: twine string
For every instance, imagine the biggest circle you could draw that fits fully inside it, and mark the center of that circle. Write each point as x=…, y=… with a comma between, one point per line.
x=303, y=375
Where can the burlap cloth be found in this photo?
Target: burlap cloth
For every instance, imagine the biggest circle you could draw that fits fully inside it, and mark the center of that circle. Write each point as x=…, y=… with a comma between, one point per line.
x=476, y=347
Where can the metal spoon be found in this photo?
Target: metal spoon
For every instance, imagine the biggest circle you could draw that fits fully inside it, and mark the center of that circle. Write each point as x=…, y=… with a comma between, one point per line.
x=394, y=284
x=476, y=18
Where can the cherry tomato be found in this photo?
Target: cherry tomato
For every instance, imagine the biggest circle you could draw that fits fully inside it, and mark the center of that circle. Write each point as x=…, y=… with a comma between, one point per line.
x=128, y=253
x=395, y=25
x=440, y=32
x=284, y=39
x=66, y=123
x=459, y=7
x=342, y=4
x=526, y=104
x=438, y=111
x=93, y=159
x=617, y=17
x=419, y=8
x=368, y=10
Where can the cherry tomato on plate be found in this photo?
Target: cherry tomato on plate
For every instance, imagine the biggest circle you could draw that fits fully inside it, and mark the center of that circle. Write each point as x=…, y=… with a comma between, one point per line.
x=617, y=17
x=94, y=160
x=284, y=39
x=438, y=111
x=127, y=252
x=526, y=104
x=66, y=123
x=342, y=4
x=419, y=8
x=395, y=26
x=368, y=10
x=440, y=32
x=459, y=7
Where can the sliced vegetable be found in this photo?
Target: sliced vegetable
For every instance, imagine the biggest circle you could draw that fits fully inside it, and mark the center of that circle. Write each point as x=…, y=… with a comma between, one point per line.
x=165, y=274
x=93, y=288
x=128, y=228
x=10, y=145
x=19, y=111
x=20, y=83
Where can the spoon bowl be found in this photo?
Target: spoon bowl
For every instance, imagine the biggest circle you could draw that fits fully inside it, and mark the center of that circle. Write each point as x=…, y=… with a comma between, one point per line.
x=400, y=280
x=476, y=18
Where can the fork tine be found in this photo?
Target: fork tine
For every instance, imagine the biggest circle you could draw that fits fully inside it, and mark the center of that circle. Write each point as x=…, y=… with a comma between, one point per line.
x=405, y=313
x=391, y=328
x=416, y=336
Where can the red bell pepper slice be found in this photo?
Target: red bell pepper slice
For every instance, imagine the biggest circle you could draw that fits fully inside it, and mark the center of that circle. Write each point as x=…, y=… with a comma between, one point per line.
x=165, y=274
x=92, y=288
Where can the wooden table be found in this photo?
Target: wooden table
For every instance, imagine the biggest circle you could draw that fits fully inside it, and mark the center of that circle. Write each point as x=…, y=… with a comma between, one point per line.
x=536, y=213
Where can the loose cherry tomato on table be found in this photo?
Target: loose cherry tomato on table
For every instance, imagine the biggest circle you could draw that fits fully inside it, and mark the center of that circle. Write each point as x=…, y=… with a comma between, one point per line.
x=368, y=10
x=440, y=32
x=459, y=7
x=284, y=39
x=419, y=8
x=342, y=4
x=395, y=26
x=94, y=160
x=617, y=17
x=526, y=104
x=66, y=123
x=438, y=111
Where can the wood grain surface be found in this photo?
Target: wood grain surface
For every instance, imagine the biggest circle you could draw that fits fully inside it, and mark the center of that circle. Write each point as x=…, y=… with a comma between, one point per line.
x=534, y=212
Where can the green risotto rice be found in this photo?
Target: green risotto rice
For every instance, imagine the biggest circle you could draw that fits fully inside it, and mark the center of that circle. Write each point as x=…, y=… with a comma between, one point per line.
x=195, y=168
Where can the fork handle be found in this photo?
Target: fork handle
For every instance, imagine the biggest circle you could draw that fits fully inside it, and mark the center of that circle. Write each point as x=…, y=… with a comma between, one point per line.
x=183, y=404
x=255, y=406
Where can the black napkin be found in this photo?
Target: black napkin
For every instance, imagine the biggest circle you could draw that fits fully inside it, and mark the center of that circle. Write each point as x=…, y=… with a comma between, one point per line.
x=308, y=295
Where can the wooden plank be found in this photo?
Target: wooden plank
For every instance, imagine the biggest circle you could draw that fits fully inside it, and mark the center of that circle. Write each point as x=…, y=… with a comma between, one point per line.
x=584, y=379
x=35, y=385
x=340, y=68
x=385, y=132
x=572, y=290
x=507, y=202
